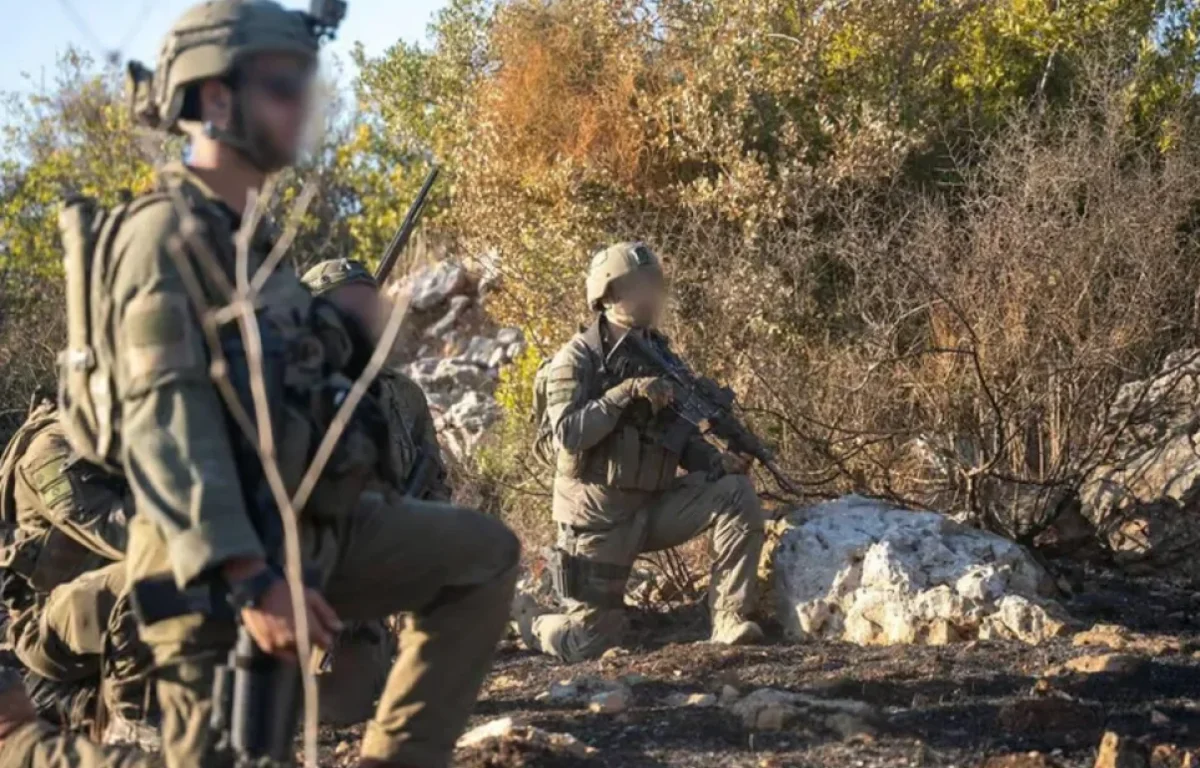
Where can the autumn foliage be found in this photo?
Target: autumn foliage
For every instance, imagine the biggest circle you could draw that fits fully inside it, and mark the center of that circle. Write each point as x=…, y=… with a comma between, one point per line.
x=925, y=240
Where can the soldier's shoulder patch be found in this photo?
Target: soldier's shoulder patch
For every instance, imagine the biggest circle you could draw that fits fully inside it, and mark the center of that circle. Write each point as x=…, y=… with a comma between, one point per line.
x=158, y=335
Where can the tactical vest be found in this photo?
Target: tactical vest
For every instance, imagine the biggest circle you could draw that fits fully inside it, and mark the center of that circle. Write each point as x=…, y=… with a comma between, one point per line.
x=307, y=350
x=634, y=456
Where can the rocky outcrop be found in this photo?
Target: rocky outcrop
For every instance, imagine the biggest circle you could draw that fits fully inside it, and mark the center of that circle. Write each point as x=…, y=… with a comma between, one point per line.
x=1143, y=497
x=864, y=571
x=455, y=352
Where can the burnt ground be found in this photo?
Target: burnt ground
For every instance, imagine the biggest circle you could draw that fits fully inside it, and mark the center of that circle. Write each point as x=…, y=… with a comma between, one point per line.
x=937, y=706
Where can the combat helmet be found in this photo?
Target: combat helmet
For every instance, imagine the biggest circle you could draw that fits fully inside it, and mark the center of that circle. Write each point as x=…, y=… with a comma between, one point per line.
x=335, y=273
x=615, y=262
x=209, y=41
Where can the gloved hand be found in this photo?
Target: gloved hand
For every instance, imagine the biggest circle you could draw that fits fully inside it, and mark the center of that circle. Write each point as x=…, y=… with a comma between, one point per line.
x=727, y=463
x=656, y=389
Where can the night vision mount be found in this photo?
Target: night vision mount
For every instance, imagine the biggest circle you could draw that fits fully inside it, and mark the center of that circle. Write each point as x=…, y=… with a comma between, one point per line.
x=324, y=17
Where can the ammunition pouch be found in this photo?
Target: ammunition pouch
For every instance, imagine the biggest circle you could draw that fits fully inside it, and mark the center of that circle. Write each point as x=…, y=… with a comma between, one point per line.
x=587, y=581
x=46, y=560
x=158, y=599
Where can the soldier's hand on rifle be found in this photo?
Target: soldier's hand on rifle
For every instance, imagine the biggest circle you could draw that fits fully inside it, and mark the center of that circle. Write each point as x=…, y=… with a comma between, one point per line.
x=656, y=389
x=270, y=620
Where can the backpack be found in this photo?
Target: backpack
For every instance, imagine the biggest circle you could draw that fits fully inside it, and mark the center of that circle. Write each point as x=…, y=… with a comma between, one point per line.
x=543, y=439
x=87, y=388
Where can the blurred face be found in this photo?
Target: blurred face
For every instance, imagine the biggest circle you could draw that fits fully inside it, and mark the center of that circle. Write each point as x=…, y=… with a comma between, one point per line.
x=278, y=100
x=365, y=304
x=639, y=299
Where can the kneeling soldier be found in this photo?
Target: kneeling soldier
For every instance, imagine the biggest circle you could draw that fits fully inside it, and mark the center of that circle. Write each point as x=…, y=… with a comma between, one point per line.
x=619, y=490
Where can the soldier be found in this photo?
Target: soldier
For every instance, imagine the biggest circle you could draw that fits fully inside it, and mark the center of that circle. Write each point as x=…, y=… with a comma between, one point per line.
x=235, y=77
x=413, y=437
x=64, y=584
x=364, y=650
x=618, y=490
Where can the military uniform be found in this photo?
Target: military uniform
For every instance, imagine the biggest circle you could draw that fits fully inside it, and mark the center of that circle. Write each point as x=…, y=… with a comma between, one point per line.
x=373, y=553
x=359, y=666
x=619, y=491
x=65, y=580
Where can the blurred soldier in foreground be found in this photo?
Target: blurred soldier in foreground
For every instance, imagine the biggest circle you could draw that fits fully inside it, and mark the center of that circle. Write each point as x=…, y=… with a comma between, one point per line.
x=631, y=476
x=70, y=622
x=205, y=545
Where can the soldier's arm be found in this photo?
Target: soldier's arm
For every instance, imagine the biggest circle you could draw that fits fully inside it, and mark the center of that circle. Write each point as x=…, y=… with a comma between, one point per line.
x=176, y=447
x=425, y=435
x=74, y=497
x=579, y=422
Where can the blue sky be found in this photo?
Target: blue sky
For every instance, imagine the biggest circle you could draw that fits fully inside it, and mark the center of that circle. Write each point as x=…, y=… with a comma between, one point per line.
x=34, y=35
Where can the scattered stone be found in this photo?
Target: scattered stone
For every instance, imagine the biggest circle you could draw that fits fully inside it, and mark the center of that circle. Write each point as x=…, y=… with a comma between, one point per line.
x=615, y=653
x=1107, y=663
x=596, y=694
x=458, y=307
x=610, y=702
x=342, y=748
x=865, y=571
x=1026, y=760
x=1120, y=638
x=691, y=700
x=729, y=695
x=503, y=683
x=1159, y=718
x=507, y=730
x=1119, y=752
x=508, y=336
x=430, y=287
x=1139, y=497
x=467, y=421
x=768, y=709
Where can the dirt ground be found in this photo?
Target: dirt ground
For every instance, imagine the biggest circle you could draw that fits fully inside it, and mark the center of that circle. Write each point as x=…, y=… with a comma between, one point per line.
x=957, y=705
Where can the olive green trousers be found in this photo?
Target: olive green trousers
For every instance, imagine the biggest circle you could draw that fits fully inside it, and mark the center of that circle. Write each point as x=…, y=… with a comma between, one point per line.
x=613, y=528
x=452, y=569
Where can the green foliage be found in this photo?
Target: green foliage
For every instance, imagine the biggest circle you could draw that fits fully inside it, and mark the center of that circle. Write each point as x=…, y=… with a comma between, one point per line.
x=75, y=139
x=789, y=159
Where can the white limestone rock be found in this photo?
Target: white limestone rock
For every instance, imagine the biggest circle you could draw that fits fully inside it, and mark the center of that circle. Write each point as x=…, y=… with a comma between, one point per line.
x=867, y=572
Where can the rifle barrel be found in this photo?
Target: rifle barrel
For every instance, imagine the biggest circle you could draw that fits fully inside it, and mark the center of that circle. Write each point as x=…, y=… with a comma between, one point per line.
x=392, y=253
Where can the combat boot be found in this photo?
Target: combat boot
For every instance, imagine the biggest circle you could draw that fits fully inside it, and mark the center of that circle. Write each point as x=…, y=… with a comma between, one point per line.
x=729, y=628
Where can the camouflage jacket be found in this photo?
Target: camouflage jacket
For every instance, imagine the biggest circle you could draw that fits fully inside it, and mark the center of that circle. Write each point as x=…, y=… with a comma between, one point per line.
x=602, y=436
x=65, y=517
x=178, y=445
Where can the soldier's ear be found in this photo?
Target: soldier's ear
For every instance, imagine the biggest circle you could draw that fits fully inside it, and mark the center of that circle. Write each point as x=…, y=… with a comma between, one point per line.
x=216, y=104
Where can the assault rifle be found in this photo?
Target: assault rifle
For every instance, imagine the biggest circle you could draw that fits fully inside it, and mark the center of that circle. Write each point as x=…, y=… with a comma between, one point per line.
x=702, y=403
x=390, y=254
